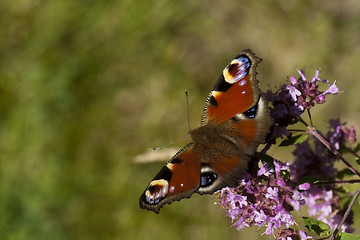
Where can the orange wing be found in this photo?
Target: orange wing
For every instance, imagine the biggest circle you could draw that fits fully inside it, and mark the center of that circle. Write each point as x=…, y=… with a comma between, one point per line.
x=236, y=90
x=178, y=179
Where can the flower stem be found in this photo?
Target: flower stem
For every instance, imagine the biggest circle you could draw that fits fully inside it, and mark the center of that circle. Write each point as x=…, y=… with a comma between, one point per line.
x=316, y=134
x=348, y=210
x=338, y=182
x=311, y=122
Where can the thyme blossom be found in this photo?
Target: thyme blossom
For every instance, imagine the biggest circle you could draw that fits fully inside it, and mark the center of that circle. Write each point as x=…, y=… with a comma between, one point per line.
x=264, y=200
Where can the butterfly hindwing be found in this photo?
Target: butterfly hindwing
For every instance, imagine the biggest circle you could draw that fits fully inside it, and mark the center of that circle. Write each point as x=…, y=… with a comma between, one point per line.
x=253, y=125
x=178, y=179
x=223, y=170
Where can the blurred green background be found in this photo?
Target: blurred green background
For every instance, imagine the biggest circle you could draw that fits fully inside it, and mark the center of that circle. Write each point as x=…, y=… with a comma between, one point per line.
x=85, y=86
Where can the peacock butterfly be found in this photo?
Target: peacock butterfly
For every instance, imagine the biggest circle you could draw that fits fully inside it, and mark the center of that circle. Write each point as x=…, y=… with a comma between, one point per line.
x=234, y=122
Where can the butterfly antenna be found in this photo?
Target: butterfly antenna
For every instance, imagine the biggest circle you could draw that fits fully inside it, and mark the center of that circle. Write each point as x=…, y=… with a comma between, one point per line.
x=168, y=144
x=187, y=107
x=188, y=120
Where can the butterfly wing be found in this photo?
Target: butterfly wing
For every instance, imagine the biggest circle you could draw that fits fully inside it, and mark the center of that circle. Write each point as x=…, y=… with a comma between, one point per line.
x=238, y=116
x=178, y=179
x=236, y=90
x=236, y=101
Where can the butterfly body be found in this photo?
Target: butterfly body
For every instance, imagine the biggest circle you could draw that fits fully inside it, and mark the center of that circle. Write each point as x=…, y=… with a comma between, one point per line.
x=235, y=121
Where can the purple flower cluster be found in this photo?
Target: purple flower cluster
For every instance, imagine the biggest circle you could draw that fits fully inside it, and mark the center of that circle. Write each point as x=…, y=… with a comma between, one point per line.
x=316, y=160
x=324, y=204
x=283, y=111
x=264, y=200
x=291, y=100
x=313, y=160
x=350, y=135
x=320, y=202
x=306, y=94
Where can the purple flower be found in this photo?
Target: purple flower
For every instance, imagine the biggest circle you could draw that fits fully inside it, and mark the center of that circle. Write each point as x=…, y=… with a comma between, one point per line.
x=306, y=94
x=304, y=236
x=291, y=234
x=283, y=111
x=263, y=200
x=333, y=89
x=272, y=193
x=350, y=135
x=304, y=186
x=294, y=92
x=335, y=134
x=291, y=100
x=338, y=135
x=319, y=202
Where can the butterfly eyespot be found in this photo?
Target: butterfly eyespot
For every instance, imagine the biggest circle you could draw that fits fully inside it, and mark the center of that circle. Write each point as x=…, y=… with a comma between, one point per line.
x=237, y=69
x=156, y=191
x=207, y=179
x=233, y=69
x=243, y=59
x=251, y=113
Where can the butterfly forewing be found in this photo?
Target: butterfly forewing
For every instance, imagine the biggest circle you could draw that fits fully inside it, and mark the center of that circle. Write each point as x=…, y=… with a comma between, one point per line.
x=236, y=90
